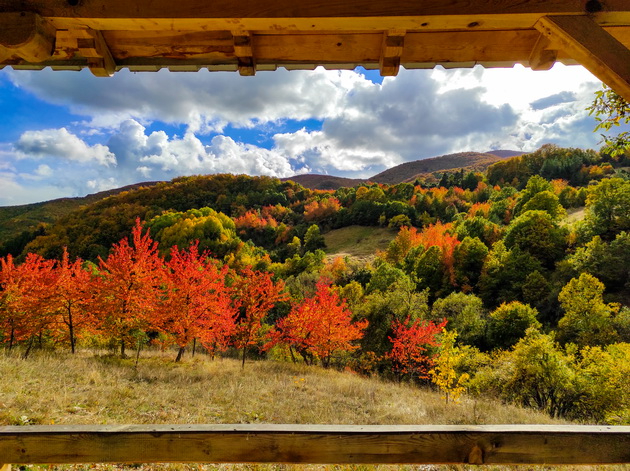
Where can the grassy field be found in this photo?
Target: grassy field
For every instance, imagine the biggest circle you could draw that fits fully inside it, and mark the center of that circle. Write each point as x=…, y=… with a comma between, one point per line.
x=358, y=242
x=90, y=389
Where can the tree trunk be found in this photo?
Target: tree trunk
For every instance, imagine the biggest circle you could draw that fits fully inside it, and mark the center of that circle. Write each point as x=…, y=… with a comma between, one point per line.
x=243, y=363
x=122, y=348
x=71, y=329
x=180, y=354
x=194, y=347
x=28, y=349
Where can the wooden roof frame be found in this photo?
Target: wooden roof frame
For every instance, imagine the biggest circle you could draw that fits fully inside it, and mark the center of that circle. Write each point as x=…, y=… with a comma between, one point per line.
x=251, y=35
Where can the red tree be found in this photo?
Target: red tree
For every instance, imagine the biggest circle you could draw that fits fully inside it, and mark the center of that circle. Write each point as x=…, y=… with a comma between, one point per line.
x=71, y=298
x=25, y=299
x=129, y=288
x=258, y=294
x=198, y=304
x=319, y=326
x=410, y=343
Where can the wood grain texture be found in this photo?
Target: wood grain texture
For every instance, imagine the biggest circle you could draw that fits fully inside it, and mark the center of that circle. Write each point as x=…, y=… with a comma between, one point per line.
x=597, y=50
x=543, y=56
x=26, y=35
x=531, y=444
x=304, y=8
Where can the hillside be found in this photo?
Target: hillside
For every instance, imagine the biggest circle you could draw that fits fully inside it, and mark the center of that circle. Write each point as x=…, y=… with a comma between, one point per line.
x=102, y=390
x=15, y=220
x=324, y=182
x=408, y=171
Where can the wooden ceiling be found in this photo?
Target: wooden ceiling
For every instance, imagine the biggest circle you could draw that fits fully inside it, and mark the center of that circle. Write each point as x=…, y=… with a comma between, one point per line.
x=258, y=35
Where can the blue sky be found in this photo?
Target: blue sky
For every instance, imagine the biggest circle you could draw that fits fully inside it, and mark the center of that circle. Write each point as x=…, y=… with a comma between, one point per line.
x=70, y=133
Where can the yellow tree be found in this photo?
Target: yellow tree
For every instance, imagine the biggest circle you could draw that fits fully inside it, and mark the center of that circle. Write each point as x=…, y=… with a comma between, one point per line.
x=443, y=374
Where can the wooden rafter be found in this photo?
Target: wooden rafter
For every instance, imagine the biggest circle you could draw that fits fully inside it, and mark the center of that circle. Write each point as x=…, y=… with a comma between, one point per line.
x=257, y=35
x=593, y=47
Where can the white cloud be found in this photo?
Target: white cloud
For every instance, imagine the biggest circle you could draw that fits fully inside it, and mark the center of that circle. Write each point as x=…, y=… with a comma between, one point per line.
x=62, y=144
x=204, y=101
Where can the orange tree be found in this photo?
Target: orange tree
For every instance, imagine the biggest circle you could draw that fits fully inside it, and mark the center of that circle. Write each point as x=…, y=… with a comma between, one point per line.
x=257, y=294
x=25, y=293
x=71, y=299
x=319, y=326
x=410, y=344
x=197, y=304
x=129, y=287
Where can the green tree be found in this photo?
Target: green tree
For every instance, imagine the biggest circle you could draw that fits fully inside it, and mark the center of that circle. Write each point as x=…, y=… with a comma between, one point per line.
x=465, y=314
x=509, y=322
x=608, y=207
x=548, y=202
x=537, y=373
x=313, y=239
x=536, y=233
x=469, y=258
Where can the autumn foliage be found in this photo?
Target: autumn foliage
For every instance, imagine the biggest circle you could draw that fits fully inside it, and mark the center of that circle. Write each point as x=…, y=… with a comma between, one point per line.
x=318, y=327
x=410, y=341
x=197, y=304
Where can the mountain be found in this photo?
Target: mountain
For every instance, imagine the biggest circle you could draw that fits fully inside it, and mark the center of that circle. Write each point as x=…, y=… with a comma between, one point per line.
x=324, y=182
x=408, y=171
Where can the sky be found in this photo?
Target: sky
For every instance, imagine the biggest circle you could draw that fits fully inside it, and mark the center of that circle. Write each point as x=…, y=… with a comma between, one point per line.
x=70, y=133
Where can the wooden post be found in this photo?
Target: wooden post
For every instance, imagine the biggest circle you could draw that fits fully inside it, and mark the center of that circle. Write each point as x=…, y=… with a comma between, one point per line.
x=5, y=467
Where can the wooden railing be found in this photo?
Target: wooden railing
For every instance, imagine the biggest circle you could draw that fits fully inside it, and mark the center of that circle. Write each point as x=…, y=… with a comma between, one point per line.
x=317, y=444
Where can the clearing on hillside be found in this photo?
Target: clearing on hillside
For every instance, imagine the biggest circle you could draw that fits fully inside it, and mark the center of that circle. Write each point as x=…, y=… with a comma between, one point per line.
x=358, y=242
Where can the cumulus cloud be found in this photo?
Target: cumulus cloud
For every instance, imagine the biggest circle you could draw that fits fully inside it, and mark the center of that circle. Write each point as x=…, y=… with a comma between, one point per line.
x=62, y=144
x=205, y=101
x=157, y=155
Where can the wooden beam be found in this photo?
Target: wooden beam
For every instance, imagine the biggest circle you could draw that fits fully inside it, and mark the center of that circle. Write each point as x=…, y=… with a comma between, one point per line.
x=317, y=444
x=93, y=47
x=5, y=467
x=244, y=53
x=594, y=48
x=391, y=50
x=311, y=15
x=543, y=56
x=26, y=35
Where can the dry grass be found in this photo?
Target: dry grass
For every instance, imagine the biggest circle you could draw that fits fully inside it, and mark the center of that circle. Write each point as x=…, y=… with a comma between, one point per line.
x=104, y=390
x=62, y=389
x=358, y=242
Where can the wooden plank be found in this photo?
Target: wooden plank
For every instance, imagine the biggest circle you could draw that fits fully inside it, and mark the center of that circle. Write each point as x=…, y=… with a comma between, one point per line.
x=317, y=444
x=5, y=467
x=26, y=35
x=594, y=48
x=306, y=8
x=310, y=15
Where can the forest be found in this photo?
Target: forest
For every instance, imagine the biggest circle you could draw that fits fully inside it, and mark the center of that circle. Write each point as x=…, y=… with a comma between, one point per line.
x=513, y=283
